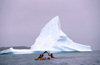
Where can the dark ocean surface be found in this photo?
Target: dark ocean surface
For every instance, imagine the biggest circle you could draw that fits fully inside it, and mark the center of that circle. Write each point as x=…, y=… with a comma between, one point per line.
x=75, y=58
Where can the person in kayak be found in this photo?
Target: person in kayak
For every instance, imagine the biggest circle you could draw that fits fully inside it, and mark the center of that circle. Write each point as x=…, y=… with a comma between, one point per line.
x=51, y=55
x=41, y=56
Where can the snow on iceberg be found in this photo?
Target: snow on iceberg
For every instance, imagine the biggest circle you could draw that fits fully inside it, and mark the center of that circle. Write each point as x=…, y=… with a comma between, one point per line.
x=52, y=39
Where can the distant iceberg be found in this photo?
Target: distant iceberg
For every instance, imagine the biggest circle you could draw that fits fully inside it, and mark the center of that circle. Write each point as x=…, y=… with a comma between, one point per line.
x=51, y=39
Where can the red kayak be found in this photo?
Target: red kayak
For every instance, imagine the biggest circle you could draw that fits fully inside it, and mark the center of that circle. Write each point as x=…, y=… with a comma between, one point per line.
x=42, y=58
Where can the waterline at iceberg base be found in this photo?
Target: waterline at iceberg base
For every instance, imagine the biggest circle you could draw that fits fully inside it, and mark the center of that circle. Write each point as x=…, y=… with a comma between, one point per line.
x=51, y=39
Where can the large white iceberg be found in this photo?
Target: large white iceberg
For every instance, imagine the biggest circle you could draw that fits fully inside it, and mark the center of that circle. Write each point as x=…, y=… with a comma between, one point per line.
x=52, y=39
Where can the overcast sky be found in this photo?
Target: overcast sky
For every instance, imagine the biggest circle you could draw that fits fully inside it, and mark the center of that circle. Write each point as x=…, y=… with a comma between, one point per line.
x=22, y=20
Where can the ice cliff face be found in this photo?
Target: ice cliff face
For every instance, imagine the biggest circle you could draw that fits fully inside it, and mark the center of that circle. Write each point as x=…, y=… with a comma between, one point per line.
x=52, y=38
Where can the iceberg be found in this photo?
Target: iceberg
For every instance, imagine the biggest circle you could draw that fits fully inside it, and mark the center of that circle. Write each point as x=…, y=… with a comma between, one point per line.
x=51, y=39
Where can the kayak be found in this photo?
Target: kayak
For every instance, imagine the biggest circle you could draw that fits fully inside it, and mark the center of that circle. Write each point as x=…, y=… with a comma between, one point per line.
x=42, y=58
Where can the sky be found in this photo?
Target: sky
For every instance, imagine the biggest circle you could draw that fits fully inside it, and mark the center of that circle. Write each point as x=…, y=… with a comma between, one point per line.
x=22, y=20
